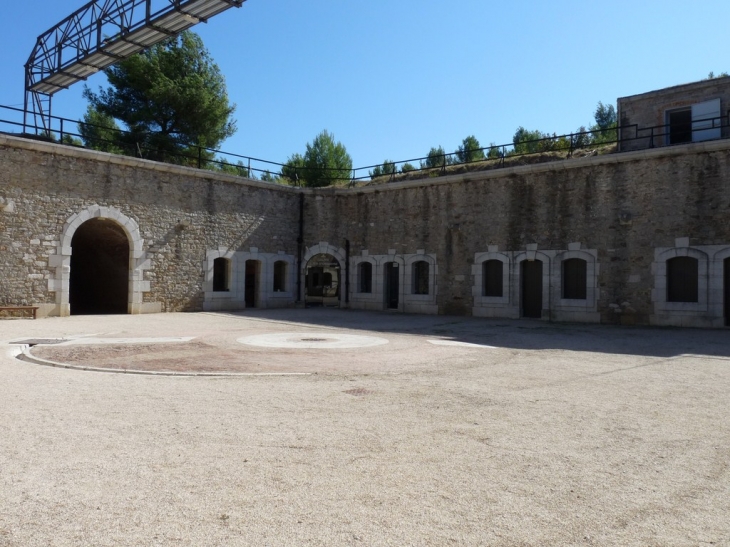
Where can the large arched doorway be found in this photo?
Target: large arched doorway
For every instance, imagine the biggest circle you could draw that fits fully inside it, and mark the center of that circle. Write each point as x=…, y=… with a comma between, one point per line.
x=322, y=281
x=99, y=282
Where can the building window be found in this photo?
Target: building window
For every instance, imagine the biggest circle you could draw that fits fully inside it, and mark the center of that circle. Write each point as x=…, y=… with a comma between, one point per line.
x=574, y=279
x=280, y=268
x=420, y=277
x=365, y=277
x=699, y=122
x=221, y=275
x=683, y=279
x=492, y=271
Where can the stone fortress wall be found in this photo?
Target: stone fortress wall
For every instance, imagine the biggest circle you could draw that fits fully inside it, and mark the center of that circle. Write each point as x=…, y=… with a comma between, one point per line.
x=613, y=211
x=622, y=216
x=176, y=219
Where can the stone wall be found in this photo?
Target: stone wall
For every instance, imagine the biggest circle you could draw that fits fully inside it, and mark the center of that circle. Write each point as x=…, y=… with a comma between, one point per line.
x=172, y=215
x=625, y=215
x=619, y=208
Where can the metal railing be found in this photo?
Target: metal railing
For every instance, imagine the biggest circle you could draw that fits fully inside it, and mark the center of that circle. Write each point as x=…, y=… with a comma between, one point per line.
x=548, y=148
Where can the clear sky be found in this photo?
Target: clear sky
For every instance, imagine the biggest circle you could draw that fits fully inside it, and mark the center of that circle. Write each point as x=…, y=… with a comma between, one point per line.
x=392, y=78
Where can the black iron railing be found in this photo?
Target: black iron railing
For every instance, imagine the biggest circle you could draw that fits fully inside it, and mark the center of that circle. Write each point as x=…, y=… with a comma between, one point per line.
x=550, y=148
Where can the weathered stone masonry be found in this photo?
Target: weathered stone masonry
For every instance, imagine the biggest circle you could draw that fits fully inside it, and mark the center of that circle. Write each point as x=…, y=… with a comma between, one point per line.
x=172, y=215
x=623, y=214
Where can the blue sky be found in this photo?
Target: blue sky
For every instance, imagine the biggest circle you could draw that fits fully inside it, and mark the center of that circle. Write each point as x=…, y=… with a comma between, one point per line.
x=392, y=78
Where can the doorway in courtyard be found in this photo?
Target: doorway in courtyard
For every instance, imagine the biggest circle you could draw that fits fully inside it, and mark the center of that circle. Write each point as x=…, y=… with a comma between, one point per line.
x=322, y=281
x=99, y=277
x=531, y=275
x=726, y=291
x=253, y=275
x=391, y=285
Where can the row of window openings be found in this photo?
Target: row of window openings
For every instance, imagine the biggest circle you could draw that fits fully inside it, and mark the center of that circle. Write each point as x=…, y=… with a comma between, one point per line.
x=221, y=274
x=574, y=279
x=419, y=277
x=682, y=278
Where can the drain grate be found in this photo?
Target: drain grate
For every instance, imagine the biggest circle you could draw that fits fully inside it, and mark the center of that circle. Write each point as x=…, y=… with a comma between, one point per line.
x=40, y=341
x=314, y=340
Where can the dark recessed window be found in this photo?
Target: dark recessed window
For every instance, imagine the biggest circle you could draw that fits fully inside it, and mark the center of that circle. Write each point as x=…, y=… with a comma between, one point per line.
x=682, y=279
x=420, y=277
x=365, y=277
x=220, y=275
x=280, y=276
x=492, y=271
x=574, y=279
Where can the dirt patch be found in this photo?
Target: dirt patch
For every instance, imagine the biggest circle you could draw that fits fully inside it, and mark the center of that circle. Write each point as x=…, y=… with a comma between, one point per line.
x=186, y=357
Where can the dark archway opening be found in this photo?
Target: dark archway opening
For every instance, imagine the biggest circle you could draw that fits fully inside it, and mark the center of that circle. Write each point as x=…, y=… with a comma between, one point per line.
x=99, y=282
x=322, y=281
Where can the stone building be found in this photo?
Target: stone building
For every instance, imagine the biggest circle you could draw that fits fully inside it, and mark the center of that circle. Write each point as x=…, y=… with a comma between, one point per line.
x=635, y=237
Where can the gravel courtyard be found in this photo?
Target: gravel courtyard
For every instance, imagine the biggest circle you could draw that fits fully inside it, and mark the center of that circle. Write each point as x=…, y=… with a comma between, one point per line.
x=355, y=428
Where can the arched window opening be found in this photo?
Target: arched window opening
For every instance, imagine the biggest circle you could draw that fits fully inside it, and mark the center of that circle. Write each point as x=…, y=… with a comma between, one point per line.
x=221, y=275
x=365, y=277
x=420, y=277
x=280, y=269
x=682, y=279
x=492, y=275
x=575, y=286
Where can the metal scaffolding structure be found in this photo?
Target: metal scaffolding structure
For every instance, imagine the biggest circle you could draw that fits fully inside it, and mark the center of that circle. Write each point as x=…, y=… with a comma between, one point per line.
x=100, y=34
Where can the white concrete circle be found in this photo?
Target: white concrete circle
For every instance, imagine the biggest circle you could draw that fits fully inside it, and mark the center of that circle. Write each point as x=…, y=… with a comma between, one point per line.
x=454, y=343
x=312, y=340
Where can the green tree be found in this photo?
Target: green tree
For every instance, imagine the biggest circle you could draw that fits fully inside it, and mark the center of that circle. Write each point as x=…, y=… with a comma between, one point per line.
x=99, y=131
x=606, y=122
x=495, y=152
x=436, y=158
x=325, y=163
x=469, y=150
x=268, y=176
x=172, y=98
x=222, y=165
x=293, y=170
x=386, y=168
x=406, y=167
x=528, y=142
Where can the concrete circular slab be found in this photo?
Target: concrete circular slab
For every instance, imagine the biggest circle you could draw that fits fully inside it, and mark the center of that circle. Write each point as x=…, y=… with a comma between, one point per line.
x=312, y=340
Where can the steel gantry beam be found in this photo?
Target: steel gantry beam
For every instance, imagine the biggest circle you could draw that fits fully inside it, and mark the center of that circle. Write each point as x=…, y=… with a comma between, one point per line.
x=100, y=34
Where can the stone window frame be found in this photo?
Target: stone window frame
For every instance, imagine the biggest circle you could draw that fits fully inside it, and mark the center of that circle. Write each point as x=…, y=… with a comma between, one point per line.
x=355, y=294
x=138, y=260
x=407, y=276
x=519, y=258
x=266, y=283
x=659, y=293
x=592, y=270
x=208, y=268
x=477, y=272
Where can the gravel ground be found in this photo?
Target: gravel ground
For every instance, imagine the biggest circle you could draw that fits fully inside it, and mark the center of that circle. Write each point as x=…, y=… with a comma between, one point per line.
x=555, y=435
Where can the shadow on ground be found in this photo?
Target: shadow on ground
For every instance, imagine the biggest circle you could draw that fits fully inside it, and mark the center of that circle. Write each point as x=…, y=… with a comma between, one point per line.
x=515, y=334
